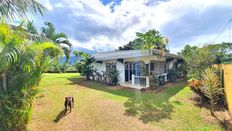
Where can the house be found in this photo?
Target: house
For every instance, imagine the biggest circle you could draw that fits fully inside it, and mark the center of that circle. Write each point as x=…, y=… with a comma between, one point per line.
x=135, y=66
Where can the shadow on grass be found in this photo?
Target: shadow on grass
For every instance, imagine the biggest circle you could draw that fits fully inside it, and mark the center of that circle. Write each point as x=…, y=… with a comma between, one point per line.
x=148, y=106
x=148, y=111
x=60, y=115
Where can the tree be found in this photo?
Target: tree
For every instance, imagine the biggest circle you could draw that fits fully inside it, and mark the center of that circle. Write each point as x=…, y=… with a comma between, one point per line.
x=151, y=39
x=31, y=28
x=211, y=87
x=133, y=45
x=60, y=39
x=12, y=9
x=21, y=68
x=222, y=52
x=78, y=54
x=198, y=59
x=85, y=66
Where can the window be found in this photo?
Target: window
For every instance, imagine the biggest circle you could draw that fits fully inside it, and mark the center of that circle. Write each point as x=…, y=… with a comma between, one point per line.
x=152, y=66
x=110, y=66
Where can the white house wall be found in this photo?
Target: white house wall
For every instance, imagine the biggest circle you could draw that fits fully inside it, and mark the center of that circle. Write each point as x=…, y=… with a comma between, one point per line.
x=159, y=67
x=171, y=64
x=121, y=68
x=101, y=67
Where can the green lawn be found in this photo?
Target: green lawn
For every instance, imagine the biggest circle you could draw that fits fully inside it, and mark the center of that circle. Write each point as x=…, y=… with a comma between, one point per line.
x=101, y=107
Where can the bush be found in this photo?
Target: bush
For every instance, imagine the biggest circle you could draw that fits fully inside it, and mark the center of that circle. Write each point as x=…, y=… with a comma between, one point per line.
x=172, y=74
x=211, y=87
x=154, y=83
x=195, y=85
x=112, y=77
x=57, y=67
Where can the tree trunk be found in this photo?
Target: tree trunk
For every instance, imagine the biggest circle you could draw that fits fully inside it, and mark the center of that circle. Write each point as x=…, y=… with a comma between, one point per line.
x=212, y=108
x=4, y=82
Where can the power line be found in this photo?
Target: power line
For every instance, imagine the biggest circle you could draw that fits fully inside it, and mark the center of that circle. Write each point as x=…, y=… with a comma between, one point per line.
x=219, y=33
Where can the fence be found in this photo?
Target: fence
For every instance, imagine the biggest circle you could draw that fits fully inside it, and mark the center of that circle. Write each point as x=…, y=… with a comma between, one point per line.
x=227, y=76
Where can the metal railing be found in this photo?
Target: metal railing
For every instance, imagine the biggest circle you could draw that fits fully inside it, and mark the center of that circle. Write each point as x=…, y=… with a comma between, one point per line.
x=142, y=81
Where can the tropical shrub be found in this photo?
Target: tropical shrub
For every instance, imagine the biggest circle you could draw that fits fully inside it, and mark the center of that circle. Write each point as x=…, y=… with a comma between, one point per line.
x=211, y=87
x=84, y=66
x=172, y=74
x=154, y=83
x=21, y=67
x=112, y=76
x=195, y=85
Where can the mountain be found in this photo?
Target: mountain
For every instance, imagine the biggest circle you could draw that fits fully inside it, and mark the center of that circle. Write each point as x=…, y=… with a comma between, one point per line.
x=73, y=58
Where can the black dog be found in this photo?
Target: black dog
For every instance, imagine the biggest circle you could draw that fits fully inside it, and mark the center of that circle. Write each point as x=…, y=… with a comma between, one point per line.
x=69, y=102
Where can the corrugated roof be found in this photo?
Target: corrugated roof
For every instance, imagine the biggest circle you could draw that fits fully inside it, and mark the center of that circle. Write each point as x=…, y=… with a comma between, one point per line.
x=113, y=55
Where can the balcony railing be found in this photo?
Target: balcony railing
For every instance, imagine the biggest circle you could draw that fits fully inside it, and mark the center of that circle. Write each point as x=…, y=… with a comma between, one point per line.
x=141, y=81
x=144, y=81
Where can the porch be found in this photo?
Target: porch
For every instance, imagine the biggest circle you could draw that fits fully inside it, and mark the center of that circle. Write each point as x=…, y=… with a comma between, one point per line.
x=139, y=82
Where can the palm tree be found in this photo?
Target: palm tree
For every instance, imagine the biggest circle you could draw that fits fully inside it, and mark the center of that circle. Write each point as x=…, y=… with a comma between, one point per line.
x=60, y=39
x=12, y=9
x=78, y=54
x=21, y=67
x=87, y=68
x=31, y=28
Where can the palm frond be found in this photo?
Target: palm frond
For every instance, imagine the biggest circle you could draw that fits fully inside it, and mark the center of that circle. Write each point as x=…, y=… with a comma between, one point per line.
x=12, y=9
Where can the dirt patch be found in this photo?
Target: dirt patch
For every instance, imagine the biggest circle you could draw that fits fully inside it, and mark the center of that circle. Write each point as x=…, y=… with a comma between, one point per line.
x=221, y=117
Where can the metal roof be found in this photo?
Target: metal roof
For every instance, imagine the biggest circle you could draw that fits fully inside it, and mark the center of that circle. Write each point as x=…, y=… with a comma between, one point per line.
x=113, y=55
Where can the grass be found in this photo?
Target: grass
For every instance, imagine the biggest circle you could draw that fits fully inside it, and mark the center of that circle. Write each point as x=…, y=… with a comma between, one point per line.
x=100, y=107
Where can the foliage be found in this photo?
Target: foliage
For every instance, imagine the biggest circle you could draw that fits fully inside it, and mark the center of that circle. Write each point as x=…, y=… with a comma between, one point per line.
x=13, y=9
x=195, y=85
x=31, y=28
x=154, y=81
x=211, y=87
x=78, y=54
x=133, y=45
x=60, y=39
x=182, y=69
x=112, y=76
x=151, y=39
x=198, y=59
x=84, y=66
x=21, y=67
x=172, y=74
x=57, y=67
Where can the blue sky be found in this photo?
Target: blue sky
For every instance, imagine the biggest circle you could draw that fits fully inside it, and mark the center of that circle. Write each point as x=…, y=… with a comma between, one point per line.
x=100, y=25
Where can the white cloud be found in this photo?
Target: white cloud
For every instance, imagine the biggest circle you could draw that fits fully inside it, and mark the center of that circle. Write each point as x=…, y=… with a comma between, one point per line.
x=59, y=5
x=47, y=4
x=95, y=26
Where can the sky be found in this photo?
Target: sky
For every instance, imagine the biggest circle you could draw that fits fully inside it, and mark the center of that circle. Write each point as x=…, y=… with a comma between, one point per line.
x=104, y=25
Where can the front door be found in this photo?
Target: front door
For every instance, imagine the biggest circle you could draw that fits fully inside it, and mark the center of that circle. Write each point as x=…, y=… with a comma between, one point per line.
x=128, y=72
x=132, y=68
